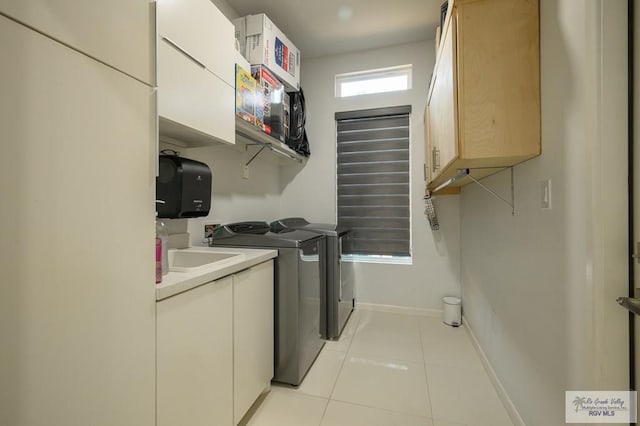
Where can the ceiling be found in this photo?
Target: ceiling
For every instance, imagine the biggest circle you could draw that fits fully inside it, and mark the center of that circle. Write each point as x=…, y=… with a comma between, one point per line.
x=328, y=27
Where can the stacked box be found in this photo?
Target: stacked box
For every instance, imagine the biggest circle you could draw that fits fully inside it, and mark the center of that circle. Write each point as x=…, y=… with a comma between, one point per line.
x=270, y=108
x=285, y=117
x=262, y=43
x=240, y=26
x=246, y=87
x=263, y=106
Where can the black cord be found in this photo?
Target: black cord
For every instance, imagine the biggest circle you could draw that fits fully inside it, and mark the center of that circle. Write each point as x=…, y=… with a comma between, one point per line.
x=630, y=109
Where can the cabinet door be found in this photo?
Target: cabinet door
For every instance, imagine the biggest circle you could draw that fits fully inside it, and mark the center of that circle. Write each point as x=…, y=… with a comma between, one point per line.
x=77, y=312
x=118, y=32
x=195, y=356
x=442, y=106
x=201, y=30
x=193, y=103
x=253, y=336
x=428, y=161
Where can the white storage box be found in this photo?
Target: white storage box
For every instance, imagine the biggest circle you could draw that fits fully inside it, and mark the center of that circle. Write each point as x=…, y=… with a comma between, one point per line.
x=240, y=26
x=262, y=43
x=242, y=61
x=452, y=311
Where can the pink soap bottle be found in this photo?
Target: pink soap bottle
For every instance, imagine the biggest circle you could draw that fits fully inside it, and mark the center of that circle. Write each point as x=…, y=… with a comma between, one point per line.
x=158, y=254
x=158, y=260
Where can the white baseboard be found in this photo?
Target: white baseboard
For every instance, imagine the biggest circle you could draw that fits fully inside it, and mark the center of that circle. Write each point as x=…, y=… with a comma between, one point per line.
x=398, y=309
x=502, y=393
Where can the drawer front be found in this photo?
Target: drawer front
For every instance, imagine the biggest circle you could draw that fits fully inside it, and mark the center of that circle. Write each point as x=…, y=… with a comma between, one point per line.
x=200, y=30
x=194, y=97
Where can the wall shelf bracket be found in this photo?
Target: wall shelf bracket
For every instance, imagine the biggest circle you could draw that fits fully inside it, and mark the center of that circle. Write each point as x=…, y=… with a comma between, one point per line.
x=250, y=135
x=465, y=173
x=511, y=203
x=255, y=155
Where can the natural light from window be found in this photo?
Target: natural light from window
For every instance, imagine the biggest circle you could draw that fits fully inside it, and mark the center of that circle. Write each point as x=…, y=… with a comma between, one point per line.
x=374, y=81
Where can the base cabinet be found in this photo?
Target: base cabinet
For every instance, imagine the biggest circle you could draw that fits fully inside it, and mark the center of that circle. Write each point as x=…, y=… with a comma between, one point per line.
x=195, y=357
x=215, y=349
x=253, y=336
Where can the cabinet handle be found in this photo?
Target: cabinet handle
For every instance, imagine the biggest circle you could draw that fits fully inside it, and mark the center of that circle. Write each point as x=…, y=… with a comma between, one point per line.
x=435, y=159
x=424, y=170
x=184, y=52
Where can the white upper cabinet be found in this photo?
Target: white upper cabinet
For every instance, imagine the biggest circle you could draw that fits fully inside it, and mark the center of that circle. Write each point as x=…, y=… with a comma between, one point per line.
x=117, y=32
x=196, y=72
x=201, y=31
x=195, y=106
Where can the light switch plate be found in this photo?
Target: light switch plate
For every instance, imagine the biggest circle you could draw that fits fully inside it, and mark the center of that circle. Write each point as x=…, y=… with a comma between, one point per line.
x=545, y=194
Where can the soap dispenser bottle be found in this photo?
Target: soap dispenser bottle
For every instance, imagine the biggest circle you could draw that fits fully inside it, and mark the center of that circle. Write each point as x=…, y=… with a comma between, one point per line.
x=158, y=254
x=163, y=236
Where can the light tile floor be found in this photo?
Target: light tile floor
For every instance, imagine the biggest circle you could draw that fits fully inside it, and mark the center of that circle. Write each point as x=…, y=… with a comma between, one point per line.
x=389, y=370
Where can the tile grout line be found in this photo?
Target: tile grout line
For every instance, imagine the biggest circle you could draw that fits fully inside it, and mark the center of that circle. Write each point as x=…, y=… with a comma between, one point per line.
x=346, y=354
x=393, y=359
x=426, y=378
x=305, y=395
x=404, y=413
x=419, y=362
x=324, y=412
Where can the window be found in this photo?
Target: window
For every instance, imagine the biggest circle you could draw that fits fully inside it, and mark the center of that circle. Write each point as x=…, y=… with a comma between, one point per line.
x=373, y=81
x=373, y=182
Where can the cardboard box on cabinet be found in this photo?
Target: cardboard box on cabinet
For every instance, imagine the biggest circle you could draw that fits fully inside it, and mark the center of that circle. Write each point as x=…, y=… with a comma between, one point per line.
x=270, y=99
x=246, y=87
x=262, y=43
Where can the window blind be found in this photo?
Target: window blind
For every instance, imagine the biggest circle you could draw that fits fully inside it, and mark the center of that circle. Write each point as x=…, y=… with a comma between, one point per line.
x=373, y=180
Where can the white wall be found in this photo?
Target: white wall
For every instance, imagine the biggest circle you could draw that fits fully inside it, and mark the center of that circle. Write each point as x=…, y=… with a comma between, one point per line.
x=312, y=194
x=233, y=197
x=539, y=287
x=226, y=9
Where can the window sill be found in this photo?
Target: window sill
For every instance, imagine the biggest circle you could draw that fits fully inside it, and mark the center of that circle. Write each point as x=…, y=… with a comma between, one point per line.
x=392, y=260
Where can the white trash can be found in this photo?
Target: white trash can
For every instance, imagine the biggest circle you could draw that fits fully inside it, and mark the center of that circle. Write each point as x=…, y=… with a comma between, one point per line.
x=452, y=311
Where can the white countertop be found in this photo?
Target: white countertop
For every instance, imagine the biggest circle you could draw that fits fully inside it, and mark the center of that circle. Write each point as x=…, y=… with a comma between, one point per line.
x=178, y=282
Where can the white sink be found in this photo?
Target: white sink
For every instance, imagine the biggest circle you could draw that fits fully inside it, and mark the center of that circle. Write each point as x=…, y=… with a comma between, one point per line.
x=189, y=260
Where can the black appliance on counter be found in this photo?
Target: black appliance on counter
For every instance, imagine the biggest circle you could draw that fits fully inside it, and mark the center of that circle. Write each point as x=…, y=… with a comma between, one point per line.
x=299, y=293
x=185, y=187
x=339, y=274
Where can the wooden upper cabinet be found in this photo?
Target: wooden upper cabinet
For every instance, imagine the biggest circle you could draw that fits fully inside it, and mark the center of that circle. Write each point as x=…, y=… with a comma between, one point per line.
x=483, y=108
x=442, y=114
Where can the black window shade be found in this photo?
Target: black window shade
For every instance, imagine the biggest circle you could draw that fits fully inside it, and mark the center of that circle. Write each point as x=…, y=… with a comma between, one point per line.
x=373, y=166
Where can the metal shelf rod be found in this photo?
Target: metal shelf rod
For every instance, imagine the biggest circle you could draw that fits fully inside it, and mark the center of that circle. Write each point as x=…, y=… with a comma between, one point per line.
x=255, y=155
x=511, y=204
x=463, y=173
